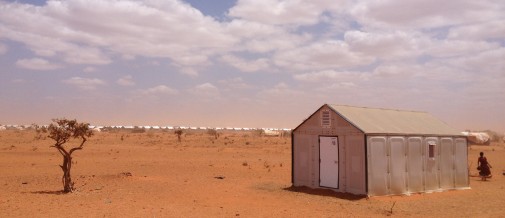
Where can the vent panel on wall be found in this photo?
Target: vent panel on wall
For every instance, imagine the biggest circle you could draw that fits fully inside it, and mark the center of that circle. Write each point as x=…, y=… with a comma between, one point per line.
x=325, y=118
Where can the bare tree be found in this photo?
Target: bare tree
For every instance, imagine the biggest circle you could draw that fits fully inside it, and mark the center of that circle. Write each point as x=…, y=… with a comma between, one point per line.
x=62, y=131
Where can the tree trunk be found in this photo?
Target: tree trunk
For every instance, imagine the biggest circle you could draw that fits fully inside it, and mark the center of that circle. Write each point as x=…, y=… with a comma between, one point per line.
x=68, y=186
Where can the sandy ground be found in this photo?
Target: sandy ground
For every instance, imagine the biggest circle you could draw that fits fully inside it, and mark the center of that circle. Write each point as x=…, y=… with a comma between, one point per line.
x=237, y=175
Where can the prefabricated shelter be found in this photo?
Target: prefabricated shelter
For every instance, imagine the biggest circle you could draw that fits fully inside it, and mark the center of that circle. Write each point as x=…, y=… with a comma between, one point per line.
x=372, y=151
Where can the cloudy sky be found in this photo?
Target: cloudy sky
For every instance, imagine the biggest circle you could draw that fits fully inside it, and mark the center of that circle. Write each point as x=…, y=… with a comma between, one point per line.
x=250, y=63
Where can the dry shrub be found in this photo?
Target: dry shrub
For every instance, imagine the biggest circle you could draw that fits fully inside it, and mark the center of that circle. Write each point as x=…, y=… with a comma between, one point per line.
x=213, y=132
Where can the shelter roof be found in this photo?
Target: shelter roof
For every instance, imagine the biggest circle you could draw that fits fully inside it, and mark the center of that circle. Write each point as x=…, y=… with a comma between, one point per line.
x=392, y=121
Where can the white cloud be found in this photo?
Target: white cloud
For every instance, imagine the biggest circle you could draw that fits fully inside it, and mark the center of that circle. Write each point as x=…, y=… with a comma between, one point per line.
x=235, y=83
x=191, y=60
x=245, y=65
x=84, y=83
x=126, y=81
x=340, y=86
x=493, y=29
x=89, y=69
x=416, y=14
x=387, y=45
x=206, y=90
x=190, y=71
x=83, y=55
x=166, y=29
x=283, y=12
x=249, y=29
x=261, y=38
x=128, y=57
x=159, y=90
x=490, y=63
x=396, y=71
x=327, y=75
x=36, y=64
x=176, y=31
x=281, y=91
x=457, y=48
x=321, y=55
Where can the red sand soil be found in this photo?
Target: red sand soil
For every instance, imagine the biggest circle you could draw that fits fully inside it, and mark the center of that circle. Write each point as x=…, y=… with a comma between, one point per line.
x=240, y=174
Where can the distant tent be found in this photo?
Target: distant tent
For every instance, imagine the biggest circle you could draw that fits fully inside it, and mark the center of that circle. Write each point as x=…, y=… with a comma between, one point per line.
x=481, y=138
x=269, y=132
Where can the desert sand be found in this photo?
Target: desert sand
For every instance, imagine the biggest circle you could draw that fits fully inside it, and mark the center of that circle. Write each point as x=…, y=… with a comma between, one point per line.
x=239, y=174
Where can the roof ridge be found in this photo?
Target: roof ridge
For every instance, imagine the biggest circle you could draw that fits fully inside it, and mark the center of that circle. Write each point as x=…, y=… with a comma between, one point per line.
x=376, y=108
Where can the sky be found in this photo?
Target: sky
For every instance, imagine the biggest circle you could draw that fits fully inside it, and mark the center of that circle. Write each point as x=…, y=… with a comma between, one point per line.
x=250, y=63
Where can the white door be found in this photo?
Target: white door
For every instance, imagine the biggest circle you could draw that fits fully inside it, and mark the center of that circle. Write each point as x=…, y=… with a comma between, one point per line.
x=328, y=162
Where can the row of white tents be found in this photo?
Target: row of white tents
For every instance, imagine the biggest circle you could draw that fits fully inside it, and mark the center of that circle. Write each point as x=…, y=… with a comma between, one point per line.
x=266, y=130
x=94, y=127
x=473, y=137
x=15, y=127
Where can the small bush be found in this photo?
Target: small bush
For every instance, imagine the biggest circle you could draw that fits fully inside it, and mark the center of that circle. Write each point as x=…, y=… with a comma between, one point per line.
x=213, y=132
x=178, y=133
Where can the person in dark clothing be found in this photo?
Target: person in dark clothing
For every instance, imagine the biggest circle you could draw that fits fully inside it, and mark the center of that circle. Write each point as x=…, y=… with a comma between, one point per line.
x=484, y=167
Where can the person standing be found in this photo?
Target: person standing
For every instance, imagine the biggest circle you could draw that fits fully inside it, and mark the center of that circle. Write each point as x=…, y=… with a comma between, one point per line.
x=484, y=167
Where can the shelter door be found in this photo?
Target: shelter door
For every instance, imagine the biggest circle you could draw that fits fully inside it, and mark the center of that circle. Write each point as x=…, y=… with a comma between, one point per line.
x=328, y=162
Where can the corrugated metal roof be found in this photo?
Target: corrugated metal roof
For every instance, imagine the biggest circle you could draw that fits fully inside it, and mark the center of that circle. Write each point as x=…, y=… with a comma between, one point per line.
x=391, y=121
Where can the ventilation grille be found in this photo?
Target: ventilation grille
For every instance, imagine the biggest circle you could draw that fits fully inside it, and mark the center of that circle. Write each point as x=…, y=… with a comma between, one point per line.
x=325, y=118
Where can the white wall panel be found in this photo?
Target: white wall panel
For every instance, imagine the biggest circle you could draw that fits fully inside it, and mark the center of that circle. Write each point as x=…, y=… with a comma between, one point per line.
x=415, y=169
x=303, y=166
x=460, y=163
x=397, y=165
x=355, y=164
x=377, y=166
x=446, y=163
